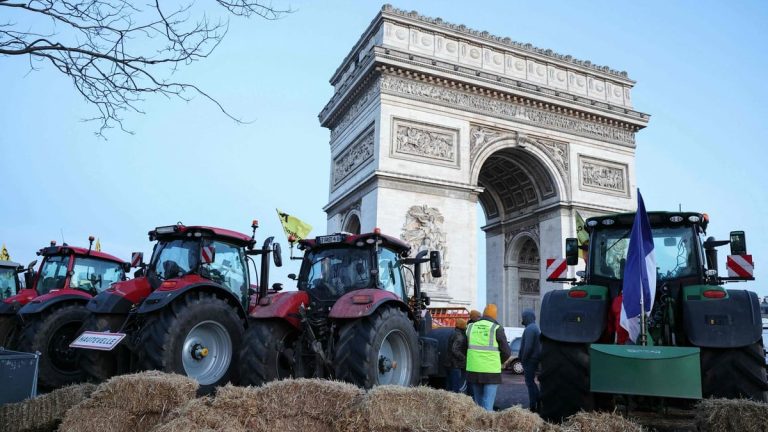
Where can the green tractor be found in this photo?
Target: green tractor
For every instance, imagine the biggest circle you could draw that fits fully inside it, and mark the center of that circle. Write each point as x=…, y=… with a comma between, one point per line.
x=702, y=340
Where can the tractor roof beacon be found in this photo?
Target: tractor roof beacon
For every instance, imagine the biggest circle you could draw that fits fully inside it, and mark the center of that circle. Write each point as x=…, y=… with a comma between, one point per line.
x=352, y=318
x=185, y=311
x=702, y=340
x=47, y=314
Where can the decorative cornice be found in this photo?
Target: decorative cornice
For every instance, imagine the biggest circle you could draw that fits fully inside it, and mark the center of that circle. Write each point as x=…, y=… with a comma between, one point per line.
x=510, y=107
x=388, y=8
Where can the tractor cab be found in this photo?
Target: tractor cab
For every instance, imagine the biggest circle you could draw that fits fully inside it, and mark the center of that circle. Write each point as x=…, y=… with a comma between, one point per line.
x=75, y=268
x=9, y=279
x=185, y=255
x=337, y=264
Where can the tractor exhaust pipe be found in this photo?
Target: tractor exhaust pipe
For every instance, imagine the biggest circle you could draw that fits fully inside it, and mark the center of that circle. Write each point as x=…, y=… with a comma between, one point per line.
x=264, y=282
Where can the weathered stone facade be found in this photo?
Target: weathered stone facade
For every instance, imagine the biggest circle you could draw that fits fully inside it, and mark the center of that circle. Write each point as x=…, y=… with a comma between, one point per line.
x=429, y=118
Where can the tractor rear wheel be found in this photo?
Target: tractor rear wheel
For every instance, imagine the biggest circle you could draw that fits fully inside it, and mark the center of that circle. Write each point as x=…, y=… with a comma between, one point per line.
x=99, y=365
x=7, y=330
x=564, y=379
x=197, y=336
x=382, y=348
x=267, y=353
x=50, y=333
x=734, y=373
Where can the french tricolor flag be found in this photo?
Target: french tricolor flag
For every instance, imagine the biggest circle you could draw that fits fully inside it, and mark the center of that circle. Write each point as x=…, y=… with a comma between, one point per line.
x=639, y=273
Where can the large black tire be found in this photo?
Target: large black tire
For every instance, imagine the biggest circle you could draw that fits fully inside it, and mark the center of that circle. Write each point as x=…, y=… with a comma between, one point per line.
x=99, y=365
x=267, y=352
x=564, y=379
x=734, y=373
x=198, y=335
x=50, y=333
x=368, y=348
x=8, y=325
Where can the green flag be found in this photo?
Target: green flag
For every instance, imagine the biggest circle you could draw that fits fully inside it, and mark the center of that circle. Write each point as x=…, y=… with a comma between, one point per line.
x=293, y=226
x=582, y=236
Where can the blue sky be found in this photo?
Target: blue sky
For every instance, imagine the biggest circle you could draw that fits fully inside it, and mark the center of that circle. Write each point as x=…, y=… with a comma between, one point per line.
x=700, y=68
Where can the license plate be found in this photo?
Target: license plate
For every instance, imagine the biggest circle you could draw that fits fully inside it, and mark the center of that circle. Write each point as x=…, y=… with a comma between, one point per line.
x=333, y=238
x=103, y=341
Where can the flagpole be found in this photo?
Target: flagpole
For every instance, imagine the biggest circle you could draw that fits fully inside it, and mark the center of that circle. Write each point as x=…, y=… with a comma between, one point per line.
x=643, y=337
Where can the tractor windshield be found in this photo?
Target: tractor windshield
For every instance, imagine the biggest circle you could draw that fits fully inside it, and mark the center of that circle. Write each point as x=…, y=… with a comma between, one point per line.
x=331, y=273
x=95, y=275
x=673, y=248
x=8, y=282
x=53, y=273
x=175, y=258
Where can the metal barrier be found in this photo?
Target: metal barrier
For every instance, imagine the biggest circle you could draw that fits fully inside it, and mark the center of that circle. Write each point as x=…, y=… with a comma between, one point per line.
x=18, y=375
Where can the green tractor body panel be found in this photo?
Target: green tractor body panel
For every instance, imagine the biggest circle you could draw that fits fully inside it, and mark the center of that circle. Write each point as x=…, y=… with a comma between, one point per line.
x=662, y=371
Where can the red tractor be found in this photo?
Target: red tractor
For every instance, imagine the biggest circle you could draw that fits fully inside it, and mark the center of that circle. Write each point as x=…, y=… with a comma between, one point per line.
x=351, y=318
x=185, y=312
x=51, y=310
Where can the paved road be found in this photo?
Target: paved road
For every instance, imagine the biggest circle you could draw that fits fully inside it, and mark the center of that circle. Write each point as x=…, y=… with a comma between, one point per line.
x=512, y=391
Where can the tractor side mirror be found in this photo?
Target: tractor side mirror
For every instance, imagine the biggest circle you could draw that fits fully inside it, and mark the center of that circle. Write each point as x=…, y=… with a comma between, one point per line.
x=137, y=259
x=738, y=243
x=31, y=265
x=292, y=276
x=277, y=286
x=126, y=267
x=435, y=264
x=571, y=251
x=277, y=255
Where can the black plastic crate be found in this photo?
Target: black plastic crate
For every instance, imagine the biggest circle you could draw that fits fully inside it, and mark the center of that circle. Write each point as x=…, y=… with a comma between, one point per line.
x=18, y=375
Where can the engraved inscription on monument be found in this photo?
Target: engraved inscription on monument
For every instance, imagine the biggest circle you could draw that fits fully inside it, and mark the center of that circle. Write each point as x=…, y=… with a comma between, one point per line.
x=424, y=142
x=603, y=176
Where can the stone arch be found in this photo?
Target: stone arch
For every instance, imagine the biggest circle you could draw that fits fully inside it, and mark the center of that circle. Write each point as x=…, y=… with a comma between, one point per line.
x=351, y=222
x=521, y=268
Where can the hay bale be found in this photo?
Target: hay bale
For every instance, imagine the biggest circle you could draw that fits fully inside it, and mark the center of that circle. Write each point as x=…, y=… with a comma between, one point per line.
x=144, y=393
x=322, y=401
x=731, y=414
x=515, y=418
x=394, y=408
x=83, y=419
x=199, y=415
x=599, y=422
x=45, y=412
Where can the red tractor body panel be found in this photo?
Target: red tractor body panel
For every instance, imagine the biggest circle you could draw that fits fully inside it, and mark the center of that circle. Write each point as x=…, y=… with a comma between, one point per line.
x=183, y=282
x=134, y=290
x=283, y=305
x=361, y=303
x=22, y=297
x=61, y=292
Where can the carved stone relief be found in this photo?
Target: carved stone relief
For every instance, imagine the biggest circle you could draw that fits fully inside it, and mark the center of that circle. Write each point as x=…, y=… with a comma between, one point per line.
x=529, y=286
x=353, y=156
x=603, y=176
x=430, y=143
x=533, y=230
x=500, y=108
x=423, y=230
x=352, y=113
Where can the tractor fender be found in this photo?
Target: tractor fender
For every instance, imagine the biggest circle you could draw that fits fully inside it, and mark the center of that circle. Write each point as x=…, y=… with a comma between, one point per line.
x=120, y=297
x=9, y=308
x=45, y=302
x=20, y=299
x=283, y=305
x=576, y=320
x=364, y=302
x=730, y=322
x=162, y=298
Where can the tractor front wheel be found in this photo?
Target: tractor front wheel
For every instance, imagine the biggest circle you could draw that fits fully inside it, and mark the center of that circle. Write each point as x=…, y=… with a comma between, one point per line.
x=268, y=352
x=734, y=373
x=197, y=336
x=50, y=333
x=382, y=348
x=100, y=365
x=7, y=330
x=564, y=379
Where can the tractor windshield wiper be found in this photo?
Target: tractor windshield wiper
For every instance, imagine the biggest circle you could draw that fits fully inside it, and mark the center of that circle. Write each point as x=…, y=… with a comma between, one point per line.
x=623, y=236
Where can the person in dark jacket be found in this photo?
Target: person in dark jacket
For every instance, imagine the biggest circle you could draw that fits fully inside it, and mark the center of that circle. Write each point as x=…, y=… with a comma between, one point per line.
x=487, y=349
x=474, y=315
x=530, y=354
x=456, y=363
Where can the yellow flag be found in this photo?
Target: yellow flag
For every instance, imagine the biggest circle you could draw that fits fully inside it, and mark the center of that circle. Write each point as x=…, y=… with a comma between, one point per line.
x=582, y=236
x=98, y=245
x=293, y=226
x=4, y=256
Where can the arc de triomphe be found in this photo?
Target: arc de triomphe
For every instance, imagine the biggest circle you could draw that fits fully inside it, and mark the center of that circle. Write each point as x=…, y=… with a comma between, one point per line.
x=428, y=118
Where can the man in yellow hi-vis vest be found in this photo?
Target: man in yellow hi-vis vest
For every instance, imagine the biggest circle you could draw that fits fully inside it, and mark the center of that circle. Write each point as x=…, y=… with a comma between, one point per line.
x=487, y=350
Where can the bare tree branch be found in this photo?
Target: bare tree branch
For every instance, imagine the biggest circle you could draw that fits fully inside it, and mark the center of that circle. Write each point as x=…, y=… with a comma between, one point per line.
x=116, y=53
